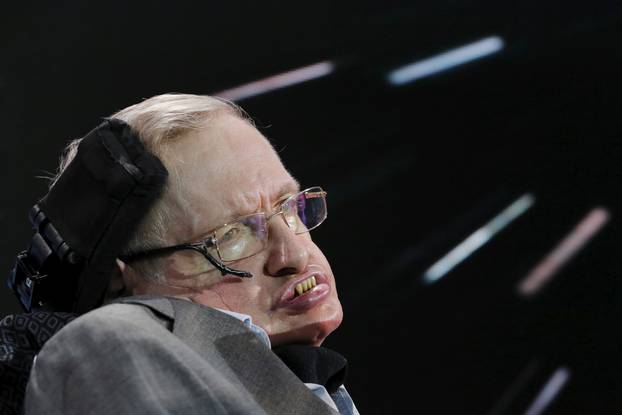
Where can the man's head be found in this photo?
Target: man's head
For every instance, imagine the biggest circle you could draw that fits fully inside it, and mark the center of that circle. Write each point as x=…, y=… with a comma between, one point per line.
x=220, y=169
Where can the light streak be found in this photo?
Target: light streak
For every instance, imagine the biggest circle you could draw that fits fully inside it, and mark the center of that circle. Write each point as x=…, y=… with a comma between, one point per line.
x=477, y=239
x=282, y=80
x=567, y=248
x=551, y=389
x=445, y=60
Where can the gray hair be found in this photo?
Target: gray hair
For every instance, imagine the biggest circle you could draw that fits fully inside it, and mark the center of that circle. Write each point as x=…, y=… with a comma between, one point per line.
x=159, y=121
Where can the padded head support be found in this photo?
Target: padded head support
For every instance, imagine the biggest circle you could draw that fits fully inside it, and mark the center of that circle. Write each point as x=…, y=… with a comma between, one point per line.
x=85, y=219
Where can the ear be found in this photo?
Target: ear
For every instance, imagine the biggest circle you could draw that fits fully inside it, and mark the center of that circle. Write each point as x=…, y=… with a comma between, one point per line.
x=122, y=280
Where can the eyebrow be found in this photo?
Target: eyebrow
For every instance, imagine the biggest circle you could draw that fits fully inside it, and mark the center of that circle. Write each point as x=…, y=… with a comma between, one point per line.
x=290, y=187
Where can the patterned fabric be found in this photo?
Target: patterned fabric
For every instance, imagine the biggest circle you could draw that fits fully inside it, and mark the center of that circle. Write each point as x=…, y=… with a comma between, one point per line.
x=21, y=337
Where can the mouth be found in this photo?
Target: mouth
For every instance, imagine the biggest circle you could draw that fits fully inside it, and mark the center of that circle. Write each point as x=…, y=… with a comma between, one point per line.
x=305, y=292
x=305, y=286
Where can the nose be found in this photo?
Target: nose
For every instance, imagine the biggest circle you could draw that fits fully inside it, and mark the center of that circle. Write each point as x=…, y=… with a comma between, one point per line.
x=288, y=252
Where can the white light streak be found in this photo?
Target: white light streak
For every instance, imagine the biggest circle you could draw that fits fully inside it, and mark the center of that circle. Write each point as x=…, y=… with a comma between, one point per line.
x=568, y=247
x=550, y=390
x=278, y=81
x=445, y=60
x=478, y=238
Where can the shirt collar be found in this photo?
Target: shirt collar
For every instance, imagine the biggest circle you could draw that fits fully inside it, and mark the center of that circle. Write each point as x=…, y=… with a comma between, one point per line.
x=248, y=322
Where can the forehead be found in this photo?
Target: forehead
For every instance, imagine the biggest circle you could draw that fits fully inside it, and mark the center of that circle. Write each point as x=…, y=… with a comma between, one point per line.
x=227, y=169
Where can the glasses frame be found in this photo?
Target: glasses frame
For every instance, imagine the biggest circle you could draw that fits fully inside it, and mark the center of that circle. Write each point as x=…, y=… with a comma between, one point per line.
x=211, y=241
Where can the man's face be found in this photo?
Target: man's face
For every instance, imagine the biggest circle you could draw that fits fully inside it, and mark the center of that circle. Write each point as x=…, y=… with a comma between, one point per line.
x=229, y=170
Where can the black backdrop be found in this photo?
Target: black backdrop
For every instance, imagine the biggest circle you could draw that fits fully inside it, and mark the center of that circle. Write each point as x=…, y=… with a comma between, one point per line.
x=411, y=171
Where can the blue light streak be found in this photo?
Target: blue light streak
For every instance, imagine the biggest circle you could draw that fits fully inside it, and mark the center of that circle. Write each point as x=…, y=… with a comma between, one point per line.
x=445, y=60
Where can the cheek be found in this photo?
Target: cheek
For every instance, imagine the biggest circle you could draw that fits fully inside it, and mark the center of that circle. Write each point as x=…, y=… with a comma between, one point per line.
x=187, y=264
x=240, y=297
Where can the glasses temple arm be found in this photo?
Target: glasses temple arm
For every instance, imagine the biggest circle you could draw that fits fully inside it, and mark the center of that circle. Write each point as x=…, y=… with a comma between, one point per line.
x=224, y=270
x=151, y=252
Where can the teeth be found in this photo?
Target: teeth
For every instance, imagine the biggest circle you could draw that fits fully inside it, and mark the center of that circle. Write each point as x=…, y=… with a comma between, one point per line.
x=306, y=285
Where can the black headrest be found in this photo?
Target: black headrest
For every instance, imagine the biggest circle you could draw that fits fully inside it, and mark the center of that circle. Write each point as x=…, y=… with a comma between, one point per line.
x=86, y=219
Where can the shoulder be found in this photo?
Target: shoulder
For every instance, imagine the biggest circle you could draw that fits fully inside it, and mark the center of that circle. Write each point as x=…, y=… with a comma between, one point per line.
x=121, y=350
x=128, y=318
x=113, y=328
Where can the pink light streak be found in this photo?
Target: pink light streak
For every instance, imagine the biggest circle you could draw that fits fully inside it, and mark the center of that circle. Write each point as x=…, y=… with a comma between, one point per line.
x=568, y=247
x=282, y=80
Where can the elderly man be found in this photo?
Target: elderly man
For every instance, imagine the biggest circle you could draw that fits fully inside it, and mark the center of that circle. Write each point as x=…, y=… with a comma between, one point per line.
x=223, y=299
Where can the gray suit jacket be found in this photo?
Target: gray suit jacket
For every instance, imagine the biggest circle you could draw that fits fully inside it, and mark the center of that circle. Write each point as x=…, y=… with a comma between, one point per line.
x=159, y=355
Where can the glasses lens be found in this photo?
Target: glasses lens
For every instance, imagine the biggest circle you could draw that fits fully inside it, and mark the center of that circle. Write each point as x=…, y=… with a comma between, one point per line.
x=307, y=210
x=242, y=238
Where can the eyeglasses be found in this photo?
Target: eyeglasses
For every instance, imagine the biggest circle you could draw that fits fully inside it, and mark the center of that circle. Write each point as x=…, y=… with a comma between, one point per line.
x=248, y=235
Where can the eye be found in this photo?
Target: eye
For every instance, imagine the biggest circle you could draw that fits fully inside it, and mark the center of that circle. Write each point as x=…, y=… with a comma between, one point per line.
x=230, y=235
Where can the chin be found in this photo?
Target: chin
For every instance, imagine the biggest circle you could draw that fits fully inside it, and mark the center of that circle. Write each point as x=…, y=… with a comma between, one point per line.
x=308, y=330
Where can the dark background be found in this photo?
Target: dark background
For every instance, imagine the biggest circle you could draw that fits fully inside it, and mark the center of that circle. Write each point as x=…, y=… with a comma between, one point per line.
x=411, y=171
